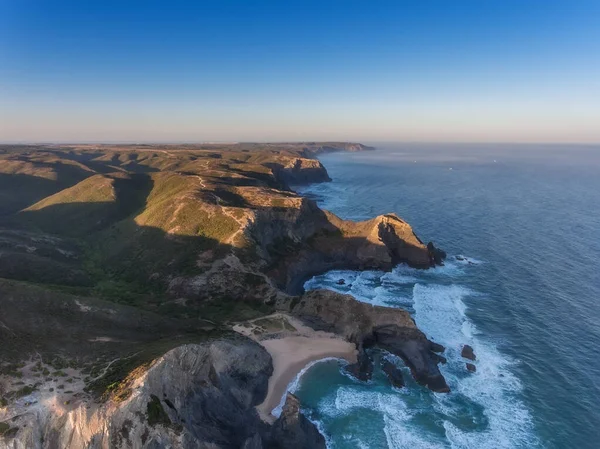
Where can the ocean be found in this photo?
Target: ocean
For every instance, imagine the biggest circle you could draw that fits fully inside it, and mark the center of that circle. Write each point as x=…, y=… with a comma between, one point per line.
x=525, y=220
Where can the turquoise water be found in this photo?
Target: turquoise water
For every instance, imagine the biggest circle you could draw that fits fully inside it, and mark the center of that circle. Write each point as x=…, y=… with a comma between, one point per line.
x=527, y=218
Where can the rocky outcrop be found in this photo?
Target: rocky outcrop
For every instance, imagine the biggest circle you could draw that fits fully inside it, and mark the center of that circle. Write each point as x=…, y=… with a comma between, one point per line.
x=372, y=326
x=363, y=368
x=467, y=352
x=471, y=368
x=311, y=150
x=393, y=373
x=298, y=171
x=436, y=255
x=416, y=351
x=293, y=430
x=379, y=243
x=195, y=396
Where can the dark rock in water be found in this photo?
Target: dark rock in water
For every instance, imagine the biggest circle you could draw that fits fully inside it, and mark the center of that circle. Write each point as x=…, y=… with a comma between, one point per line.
x=363, y=368
x=467, y=352
x=372, y=326
x=341, y=282
x=292, y=430
x=440, y=358
x=254, y=442
x=417, y=354
x=436, y=347
x=393, y=373
x=459, y=258
x=436, y=255
x=470, y=367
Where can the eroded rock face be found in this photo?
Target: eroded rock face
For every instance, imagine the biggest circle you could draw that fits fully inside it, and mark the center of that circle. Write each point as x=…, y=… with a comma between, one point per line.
x=363, y=368
x=393, y=373
x=293, y=430
x=195, y=396
x=366, y=325
x=467, y=352
x=416, y=351
x=380, y=243
x=436, y=255
x=297, y=171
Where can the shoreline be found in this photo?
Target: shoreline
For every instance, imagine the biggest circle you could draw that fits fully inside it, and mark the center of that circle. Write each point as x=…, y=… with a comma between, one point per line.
x=291, y=355
x=292, y=346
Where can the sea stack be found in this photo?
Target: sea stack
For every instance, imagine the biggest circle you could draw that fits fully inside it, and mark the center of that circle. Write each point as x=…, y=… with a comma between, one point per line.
x=467, y=353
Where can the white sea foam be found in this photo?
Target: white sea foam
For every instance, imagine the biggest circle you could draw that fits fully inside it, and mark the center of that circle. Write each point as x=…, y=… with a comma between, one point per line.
x=399, y=431
x=398, y=436
x=295, y=383
x=464, y=260
x=440, y=311
x=373, y=287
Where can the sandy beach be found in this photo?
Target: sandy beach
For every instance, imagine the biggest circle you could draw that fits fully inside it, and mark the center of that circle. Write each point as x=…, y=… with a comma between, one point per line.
x=292, y=347
x=290, y=355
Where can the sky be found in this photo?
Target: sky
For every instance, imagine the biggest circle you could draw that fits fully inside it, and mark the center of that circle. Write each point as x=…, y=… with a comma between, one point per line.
x=198, y=71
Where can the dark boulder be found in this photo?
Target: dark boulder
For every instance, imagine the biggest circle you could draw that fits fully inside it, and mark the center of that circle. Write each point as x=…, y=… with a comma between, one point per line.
x=440, y=358
x=363, y=368
x=436, y=347
x=436, y=255
x=253, y=442
x=341, y=282
x=393, y=373
x=292, y=430
x=467, y=352
x=471, y=368
x=416, y=352
x=372, y=326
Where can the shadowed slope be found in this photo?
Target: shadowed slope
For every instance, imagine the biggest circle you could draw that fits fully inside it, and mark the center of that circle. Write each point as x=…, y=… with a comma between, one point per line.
x=107, y=199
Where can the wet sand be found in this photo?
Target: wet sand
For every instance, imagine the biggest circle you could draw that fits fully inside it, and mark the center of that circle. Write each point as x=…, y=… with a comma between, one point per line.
x=290, y=355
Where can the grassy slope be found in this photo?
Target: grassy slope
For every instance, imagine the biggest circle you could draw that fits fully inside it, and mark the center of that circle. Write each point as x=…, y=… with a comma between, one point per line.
x=139, y=213
x=125, y=220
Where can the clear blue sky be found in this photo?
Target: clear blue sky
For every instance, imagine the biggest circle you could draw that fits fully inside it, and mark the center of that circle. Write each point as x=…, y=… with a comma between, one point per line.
x=426, y=70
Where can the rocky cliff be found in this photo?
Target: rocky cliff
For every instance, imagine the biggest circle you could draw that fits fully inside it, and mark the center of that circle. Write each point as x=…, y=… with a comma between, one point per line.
x=297, y=171
x=178, y=240
x=367, y=326
x=332, y=243
x=195, y=396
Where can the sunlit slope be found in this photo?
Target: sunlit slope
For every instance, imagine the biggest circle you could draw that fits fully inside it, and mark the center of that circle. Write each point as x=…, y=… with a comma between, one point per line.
x=180, y=229
x=88, y=206
x=26, y=179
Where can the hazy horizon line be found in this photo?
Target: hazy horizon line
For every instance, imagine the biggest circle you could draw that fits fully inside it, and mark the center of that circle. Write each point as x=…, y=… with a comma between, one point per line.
x=238, y=142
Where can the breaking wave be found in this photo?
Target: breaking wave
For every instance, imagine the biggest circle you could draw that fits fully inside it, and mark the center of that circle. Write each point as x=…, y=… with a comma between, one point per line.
x=482, y=411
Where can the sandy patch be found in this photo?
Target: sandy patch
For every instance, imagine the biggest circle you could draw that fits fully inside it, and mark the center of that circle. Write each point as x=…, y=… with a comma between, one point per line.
x=292, y=345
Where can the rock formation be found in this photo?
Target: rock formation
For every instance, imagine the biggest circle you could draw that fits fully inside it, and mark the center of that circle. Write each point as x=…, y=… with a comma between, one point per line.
x=293, y=430
x=300, y=171
x=467, y=352
x=367, y=326
x=363, y=368
x=379, y=243
x=195, y=396
x=393, y=373
x=436, y=255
